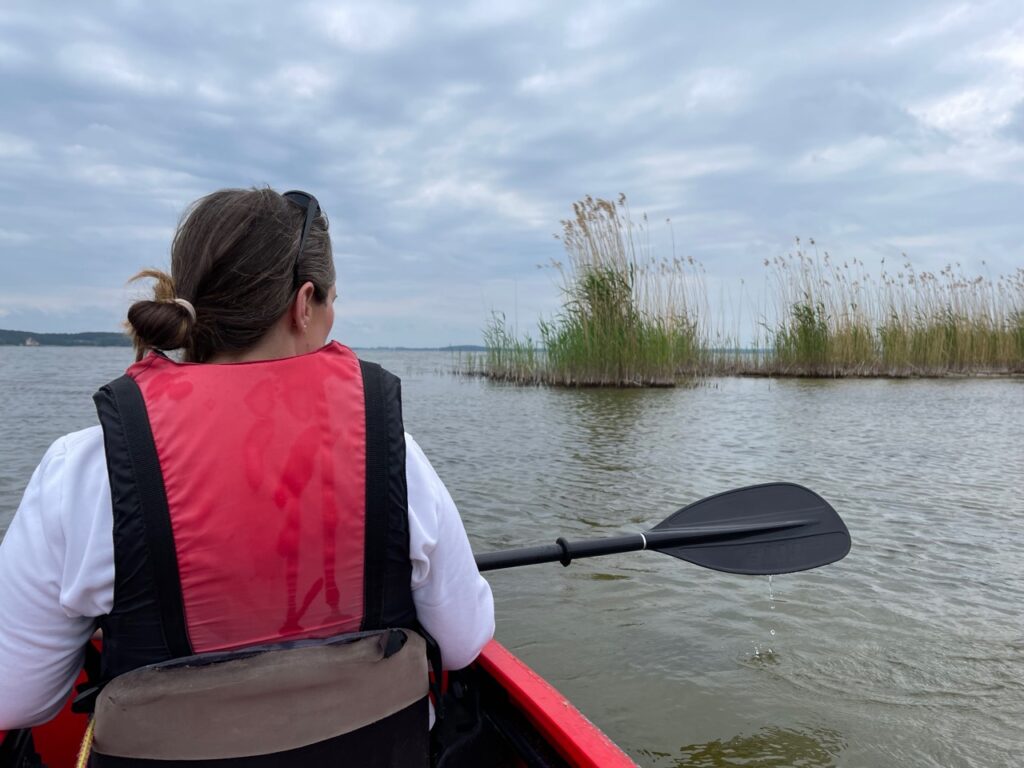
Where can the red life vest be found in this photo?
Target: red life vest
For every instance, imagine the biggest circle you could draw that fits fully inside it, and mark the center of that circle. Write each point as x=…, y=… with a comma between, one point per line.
x=253, y=503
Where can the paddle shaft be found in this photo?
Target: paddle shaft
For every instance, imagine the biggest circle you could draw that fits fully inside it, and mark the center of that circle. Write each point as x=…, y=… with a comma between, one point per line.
x=565, y=552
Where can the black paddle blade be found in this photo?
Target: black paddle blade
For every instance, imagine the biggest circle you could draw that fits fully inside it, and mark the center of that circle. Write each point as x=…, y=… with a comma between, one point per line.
x=761, y=529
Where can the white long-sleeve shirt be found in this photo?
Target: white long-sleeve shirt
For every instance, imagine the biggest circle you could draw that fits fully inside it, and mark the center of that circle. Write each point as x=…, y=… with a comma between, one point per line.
x=57, y=574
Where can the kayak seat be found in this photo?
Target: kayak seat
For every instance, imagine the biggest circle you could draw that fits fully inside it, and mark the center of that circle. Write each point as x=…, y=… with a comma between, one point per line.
x=356, y=699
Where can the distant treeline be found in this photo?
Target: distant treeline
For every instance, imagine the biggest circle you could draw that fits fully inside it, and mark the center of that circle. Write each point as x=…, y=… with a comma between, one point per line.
x=87, y=339
x=105, y=339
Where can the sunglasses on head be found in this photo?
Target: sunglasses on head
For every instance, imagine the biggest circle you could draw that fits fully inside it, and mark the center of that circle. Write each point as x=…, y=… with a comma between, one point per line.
x=309, y=204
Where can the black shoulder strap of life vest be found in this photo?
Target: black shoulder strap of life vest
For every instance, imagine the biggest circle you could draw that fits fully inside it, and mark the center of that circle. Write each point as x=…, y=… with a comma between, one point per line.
x=376, y=518
x=387, y=574
x=140, y=512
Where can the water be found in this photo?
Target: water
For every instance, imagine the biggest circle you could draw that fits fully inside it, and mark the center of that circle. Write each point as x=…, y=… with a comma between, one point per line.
x=910, y=652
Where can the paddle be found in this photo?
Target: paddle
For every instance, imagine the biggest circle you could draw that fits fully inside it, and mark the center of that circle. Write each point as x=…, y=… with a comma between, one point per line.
x=761, y=529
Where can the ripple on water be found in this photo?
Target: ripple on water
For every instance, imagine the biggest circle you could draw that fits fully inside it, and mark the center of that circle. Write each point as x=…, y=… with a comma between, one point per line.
x=769, y=747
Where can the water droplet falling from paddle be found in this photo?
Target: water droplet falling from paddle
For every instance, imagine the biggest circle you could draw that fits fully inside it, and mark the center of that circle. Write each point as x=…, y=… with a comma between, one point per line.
x=767, y=653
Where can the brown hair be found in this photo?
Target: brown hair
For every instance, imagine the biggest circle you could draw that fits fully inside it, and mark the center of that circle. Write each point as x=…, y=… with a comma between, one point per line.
x=233, y=257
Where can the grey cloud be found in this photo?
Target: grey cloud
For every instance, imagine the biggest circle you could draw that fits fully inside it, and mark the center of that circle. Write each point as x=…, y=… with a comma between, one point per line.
x=447, y=142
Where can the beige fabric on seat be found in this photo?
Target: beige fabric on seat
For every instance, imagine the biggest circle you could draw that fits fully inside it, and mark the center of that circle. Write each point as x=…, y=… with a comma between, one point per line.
x=271, y=702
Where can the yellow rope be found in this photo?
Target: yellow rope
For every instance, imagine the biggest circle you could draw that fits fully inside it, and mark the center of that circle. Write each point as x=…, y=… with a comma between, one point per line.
x=86, y=748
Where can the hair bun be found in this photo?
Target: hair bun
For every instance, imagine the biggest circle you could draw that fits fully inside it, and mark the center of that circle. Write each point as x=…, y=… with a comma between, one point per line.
x=163, y=322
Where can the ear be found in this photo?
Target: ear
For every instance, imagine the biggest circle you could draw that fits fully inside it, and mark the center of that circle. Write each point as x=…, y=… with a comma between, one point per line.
x=302, y=309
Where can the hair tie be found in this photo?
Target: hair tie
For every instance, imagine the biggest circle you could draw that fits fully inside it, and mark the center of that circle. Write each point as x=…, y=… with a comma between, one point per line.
x=188, y=306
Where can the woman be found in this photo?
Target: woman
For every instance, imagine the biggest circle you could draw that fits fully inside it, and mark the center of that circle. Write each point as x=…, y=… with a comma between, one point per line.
x=281, y=500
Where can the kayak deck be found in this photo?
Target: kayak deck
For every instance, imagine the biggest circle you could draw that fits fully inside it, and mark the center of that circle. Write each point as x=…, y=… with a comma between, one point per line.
x=498, y=712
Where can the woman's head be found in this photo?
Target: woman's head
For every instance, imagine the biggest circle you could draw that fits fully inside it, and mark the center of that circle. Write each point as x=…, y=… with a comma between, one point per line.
x=235, y=258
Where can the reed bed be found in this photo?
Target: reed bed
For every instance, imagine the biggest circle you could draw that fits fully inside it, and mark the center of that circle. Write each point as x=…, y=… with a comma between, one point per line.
x=837, y=319
x=508, y=358
x=628, y=318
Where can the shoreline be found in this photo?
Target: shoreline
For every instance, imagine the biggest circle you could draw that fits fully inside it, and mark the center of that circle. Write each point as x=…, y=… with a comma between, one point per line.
x=696, y=378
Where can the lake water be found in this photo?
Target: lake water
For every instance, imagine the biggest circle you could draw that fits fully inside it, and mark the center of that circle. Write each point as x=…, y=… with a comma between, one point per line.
x=910, y=652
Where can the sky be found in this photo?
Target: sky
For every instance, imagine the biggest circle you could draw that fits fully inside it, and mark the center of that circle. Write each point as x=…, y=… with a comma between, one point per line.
x=446, y=141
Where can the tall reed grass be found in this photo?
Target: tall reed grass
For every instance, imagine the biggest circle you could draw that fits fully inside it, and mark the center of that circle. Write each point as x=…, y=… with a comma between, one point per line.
x=837, y=319
x=628, y=318
x=508, y=357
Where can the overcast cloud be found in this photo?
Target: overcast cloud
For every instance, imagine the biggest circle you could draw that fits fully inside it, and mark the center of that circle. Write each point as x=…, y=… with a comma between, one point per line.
x=447, y=140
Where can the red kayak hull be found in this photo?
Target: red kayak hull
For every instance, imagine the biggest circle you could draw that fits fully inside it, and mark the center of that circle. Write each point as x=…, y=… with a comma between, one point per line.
x=581, y=743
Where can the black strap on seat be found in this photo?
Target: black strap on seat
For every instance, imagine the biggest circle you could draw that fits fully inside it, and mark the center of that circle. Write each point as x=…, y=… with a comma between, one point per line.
x=86, y=693
x=137, y=437
x=437, y=672
x=17, y=750
x=376, y=519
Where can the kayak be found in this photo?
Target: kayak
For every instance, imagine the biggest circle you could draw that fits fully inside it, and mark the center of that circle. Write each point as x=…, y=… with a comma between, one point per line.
x=498, y=712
